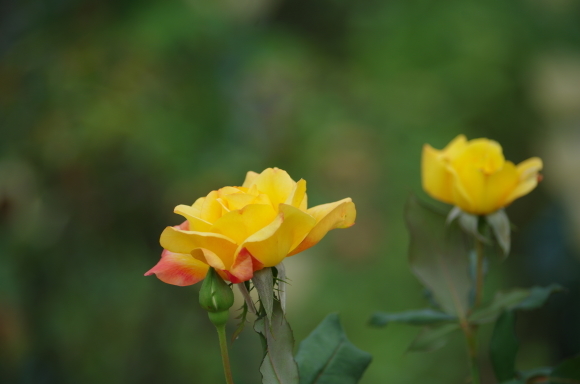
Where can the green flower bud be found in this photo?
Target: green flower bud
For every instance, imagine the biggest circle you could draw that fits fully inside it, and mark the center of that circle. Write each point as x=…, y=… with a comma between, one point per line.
x=216, y=297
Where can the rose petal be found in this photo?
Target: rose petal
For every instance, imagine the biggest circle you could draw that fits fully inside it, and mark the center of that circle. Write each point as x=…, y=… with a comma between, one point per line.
x=274, y=182
x=498, y=186
x=179, y=241
x=179, y=269
x=242, y=269
x=471, y=170
x=240, y=224
x=272, y=244
x=211, y=209
x=455, y=147
x=250, y=177
x=340, y=214
x=298, y=194
x=208, y=257
x=435, y=177
x=528, y=171
x=195, y=223
x=238, y=200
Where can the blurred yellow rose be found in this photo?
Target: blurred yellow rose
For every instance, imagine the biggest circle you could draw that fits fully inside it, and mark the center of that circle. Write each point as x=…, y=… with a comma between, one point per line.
x=238, y=230
x=474, y=175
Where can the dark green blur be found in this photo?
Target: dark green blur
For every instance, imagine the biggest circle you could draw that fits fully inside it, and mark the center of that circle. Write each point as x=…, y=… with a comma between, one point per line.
x=114, y=112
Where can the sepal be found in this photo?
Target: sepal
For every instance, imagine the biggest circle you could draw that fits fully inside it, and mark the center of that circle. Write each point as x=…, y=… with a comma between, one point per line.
x=500, y=225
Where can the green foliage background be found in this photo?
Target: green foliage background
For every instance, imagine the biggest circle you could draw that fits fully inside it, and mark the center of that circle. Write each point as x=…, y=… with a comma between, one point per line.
x=114, y=112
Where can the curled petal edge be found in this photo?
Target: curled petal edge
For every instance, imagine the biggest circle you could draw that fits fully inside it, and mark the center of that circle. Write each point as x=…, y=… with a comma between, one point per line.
x=340, y=214
x=179, y=269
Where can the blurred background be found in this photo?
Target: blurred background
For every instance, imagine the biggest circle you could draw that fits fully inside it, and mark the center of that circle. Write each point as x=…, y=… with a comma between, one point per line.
x=114, y=112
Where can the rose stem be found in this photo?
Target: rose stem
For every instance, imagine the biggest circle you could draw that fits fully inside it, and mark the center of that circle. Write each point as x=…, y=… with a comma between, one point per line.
x=221, y=330
x=471, y=330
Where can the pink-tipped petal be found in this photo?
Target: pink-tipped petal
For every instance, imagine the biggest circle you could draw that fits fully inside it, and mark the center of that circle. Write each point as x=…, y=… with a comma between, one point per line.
x=242, y=269
x=178, y=269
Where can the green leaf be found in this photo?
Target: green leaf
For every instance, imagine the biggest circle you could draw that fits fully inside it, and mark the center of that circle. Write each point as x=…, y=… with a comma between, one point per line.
x=264, y=282
x=538, y=297
x=438, y=257
x=519, y=298
x=326, y=356
x=418, y=317
x=278, y=366
x=500, y=224
x=504, y=347
x=501, y=302
x=430, y=339
x=568, y=372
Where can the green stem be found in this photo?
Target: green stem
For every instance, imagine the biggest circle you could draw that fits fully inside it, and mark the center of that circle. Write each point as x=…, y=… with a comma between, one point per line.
x=471, y=329
x=221, y=330
x=478, y=273
x=471, y=336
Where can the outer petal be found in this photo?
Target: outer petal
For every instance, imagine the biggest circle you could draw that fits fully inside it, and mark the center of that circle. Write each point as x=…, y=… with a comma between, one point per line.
x=461, y=197
x=208, y=257
x=238, y=225
x=304, y=204
x=340, y=214
x=272, y=244
x=528, y=178
x=179, y=269
x=498, y=187
x=471, y=169
x=211, y=209
x=484, y=154
x=436, y=179
x=250, y=177
x=228, y=191
x=190, y=213
x=276, y=183
x=196, y=207
x=179, y=241
x=298, y=195
x=455, y=147
x=242, y=269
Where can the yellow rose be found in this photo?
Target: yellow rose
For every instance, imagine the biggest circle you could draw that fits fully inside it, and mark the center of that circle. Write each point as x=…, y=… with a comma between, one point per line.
x=238, y=230
x=474, y=175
